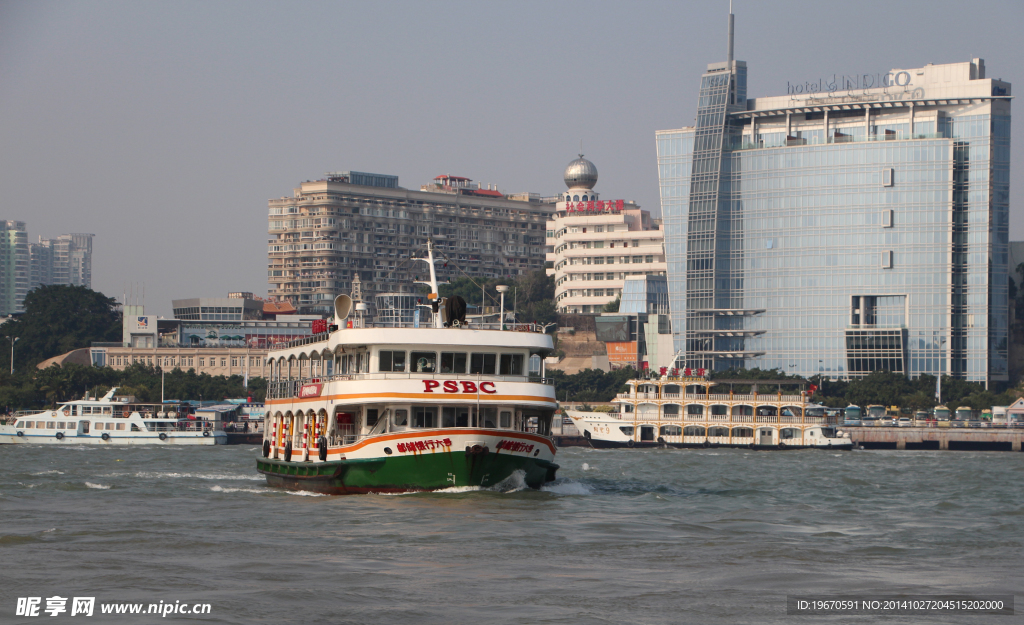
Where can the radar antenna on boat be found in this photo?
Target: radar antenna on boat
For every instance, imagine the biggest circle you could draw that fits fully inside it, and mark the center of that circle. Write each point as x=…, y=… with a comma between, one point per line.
x=434, y=296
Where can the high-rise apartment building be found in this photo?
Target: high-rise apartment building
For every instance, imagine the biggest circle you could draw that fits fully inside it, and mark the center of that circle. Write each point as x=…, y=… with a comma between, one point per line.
x=854, y=224
x=14, y=266
x=594, y=244
x=66, y=259
x=354, y=223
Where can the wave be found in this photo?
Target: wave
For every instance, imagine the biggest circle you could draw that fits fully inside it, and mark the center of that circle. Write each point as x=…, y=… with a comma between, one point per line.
x=199, y=476
x=52, y=472
x=97, y=486
x=221, y=489
x=568, y=487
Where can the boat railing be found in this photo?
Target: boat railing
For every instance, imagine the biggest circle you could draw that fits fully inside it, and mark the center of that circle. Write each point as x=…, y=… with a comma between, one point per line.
x=358, y=325
x=760, y=398
x=284, y=389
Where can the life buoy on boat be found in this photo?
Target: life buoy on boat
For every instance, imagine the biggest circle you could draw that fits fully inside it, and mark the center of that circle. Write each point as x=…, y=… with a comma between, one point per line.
x=105, y=436
x=321, y=444
x=206, y=433
x=20, y=433
x=163, y=436
x=630, y=443
x=60, y=436
x=266, y=449
x=125, y=413
x=67, y=412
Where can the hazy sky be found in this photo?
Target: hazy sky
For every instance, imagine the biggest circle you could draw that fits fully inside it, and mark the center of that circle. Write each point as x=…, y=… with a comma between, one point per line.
x=164, y=127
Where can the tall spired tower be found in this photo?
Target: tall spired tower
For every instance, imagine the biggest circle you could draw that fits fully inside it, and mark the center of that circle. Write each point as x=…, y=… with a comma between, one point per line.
x=713, y=265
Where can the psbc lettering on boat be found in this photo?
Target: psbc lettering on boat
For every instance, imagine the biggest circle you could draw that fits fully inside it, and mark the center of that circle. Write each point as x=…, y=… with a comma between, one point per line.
x=460, y=386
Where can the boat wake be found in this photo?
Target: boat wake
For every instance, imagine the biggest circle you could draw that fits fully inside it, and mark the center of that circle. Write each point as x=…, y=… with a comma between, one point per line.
x=97, y=486
x=567, y=487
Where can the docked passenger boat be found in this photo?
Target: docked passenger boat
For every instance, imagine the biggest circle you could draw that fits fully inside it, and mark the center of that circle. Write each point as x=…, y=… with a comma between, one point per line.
x=112, y=420
x=365, y=409
x=682, y=412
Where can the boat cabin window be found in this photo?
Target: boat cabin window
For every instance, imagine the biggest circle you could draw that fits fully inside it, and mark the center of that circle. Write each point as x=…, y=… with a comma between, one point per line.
x=488, y=417
x=400, y=418
x=85, y=426
x=506, y=419
x=455, y=417
x=371, y=417
x=135, y=428
x=511, y=364
x=391, y=361
x=482, y=363
x=453, y=362
x=106, y=410
x=626, y=429
x=120, y=426
x=671, y=430
x=423, y=417
x=51, y=425
x=828, y=432
x=424, y=362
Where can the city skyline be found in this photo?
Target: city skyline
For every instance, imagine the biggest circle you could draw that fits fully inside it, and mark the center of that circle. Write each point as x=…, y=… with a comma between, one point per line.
x=165, y=130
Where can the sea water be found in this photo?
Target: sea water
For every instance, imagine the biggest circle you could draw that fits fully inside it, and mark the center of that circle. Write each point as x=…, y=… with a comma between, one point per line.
x=623, y=536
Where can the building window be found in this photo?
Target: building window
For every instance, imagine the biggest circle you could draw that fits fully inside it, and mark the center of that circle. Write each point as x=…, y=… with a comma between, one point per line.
x=202, y=362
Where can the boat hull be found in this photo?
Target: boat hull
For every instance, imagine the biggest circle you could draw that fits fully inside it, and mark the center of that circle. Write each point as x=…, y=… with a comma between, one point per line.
x=9, y=436
x=605, y=444
x=395, y=474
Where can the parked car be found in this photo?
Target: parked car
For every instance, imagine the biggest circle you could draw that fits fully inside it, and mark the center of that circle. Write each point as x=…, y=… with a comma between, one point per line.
x=851, y=422
x=905, y=422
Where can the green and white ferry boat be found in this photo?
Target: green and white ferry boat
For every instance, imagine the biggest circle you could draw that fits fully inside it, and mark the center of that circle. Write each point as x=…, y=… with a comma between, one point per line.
x=362, y=408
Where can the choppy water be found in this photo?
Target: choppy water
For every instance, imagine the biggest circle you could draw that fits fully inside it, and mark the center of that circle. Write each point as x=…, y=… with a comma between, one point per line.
x=692, y=536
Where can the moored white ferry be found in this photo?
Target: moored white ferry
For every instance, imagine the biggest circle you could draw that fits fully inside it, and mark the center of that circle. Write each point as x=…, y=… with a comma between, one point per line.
x=112, y=420
x=682, y=412
x=404, y=408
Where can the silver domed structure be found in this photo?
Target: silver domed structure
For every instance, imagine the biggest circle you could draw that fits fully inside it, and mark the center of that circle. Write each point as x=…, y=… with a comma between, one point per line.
x=580, y=173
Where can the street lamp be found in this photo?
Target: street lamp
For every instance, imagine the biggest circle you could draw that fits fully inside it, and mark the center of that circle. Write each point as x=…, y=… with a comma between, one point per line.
x=502, y=288
x=13, y=340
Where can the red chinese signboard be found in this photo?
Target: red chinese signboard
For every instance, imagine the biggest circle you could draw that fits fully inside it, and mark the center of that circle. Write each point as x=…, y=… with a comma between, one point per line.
x=310, y=390
x=595, y=206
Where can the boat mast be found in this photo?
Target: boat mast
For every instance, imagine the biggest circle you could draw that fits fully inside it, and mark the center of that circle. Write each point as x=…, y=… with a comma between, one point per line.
x=434, y=295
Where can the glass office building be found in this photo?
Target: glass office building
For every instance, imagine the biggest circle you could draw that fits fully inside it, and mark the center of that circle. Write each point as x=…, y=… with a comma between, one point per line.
x=857, y=223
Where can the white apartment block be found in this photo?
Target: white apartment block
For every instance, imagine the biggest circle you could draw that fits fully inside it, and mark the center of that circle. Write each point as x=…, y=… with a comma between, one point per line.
x=594, y=244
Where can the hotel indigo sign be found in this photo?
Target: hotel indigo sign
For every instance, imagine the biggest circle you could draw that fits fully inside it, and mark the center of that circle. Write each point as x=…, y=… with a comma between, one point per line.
x=849, y=82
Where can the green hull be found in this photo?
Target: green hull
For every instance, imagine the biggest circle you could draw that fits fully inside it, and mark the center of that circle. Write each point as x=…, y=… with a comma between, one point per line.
x=419, y=472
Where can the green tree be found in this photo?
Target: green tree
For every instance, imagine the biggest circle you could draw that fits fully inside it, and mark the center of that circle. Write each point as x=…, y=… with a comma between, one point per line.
x=58, y=319
x=613, y=306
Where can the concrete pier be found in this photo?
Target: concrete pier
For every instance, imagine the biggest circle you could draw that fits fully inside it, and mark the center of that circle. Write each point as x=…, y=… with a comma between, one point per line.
x=979, y=439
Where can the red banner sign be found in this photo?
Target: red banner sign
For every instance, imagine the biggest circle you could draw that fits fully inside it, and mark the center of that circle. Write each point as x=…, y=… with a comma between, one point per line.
x=459, y=386
x=595, y=206
x=310, y=390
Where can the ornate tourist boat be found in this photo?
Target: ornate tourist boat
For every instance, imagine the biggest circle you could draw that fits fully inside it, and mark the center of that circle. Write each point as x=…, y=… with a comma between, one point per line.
x=112, y=420
x=682, y=412
x=366, y=409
